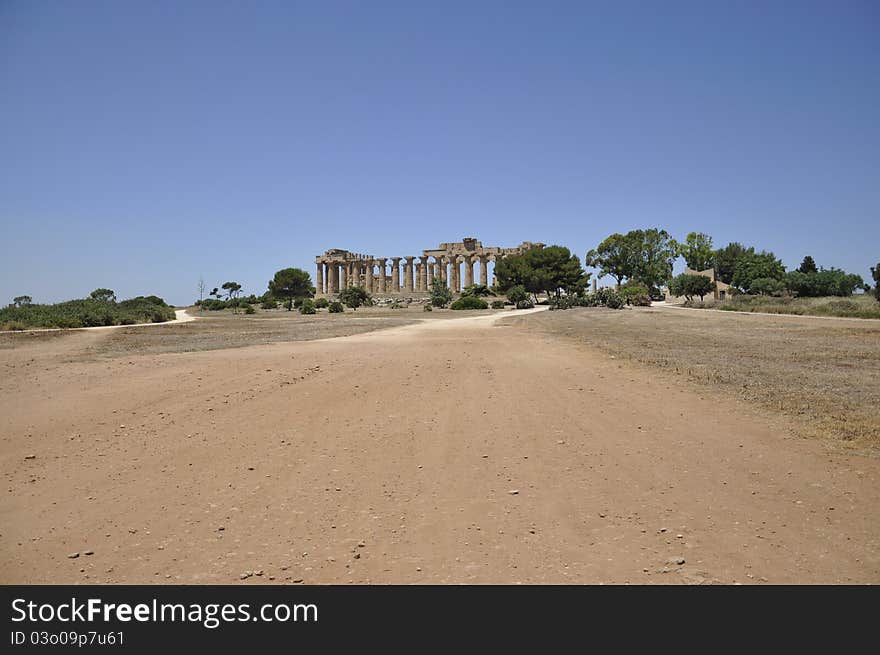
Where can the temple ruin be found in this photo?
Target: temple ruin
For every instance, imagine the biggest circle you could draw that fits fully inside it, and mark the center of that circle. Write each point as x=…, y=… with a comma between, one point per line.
x=453, y=263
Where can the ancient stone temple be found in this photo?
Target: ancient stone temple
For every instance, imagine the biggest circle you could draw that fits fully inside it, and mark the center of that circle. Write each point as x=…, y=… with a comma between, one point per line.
x=453, y=263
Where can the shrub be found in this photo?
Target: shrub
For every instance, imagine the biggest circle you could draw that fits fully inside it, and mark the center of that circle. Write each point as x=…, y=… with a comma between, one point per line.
x=602, y=298
x=614, y=301
x=321, y=303
x=428, y=308
x=307, y=306
x=335, y=307
x=470, y=302
x=525, y=304
x=637, y=294
x=517, y=294
x=87, y=312
x=497, y=304
x=440, y=294
x=269, y=304
x=249, y=310
x=354, y=297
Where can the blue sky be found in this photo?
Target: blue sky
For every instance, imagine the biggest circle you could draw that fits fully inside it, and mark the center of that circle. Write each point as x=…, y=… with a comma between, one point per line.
x=143, y=144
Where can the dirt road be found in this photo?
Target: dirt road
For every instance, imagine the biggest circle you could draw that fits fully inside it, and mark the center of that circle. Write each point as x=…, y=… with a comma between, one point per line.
x=448, y=452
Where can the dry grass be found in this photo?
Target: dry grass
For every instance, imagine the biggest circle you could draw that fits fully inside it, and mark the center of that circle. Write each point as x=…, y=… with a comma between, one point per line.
x=859, y=306
x=825, y=373
x=216, y=331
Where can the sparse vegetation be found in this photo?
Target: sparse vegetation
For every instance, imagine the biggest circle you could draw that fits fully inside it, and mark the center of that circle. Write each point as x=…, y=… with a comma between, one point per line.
x=307, y=306
x=335, y=307
x=321, y=303
x=497, y=304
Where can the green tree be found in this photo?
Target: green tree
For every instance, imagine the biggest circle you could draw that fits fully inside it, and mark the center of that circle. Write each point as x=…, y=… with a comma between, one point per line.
x=766, y=286
x=689, y=285
x=354, y=297
x=808, y=266
x=753, y=266
x=550, y=270
x=614, y=257
x=875, y=274
x=824, y=282
x=440, y=293
x=512, y=271
x=21, y=301
x=477, y=290
x=726, y=259
x=554, y=270
x=654, y=253
x=103, y=295
x=232, y=290
x=290, y=283
x=697, y=251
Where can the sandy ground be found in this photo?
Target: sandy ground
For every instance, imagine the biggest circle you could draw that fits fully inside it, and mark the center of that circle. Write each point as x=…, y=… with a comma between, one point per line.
x=461, y=451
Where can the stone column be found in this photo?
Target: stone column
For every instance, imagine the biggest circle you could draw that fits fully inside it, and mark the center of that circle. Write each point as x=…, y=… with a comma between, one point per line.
x=468, y=271
x=343, y=276
x=381, y=264
x=423, y=274
x=484, y=271
x=409, y=264
x=455, y=275
x=444, y=277
x=319, y=278
x=332, y=273
x=395, y=275
x=368, y=281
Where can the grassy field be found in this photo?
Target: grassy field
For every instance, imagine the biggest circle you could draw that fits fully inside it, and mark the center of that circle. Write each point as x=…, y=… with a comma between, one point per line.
x=826, y=374
x=860, y=306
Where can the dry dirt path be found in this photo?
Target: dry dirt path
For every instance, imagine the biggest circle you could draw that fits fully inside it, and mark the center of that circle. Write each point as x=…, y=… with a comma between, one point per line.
x=448, y=452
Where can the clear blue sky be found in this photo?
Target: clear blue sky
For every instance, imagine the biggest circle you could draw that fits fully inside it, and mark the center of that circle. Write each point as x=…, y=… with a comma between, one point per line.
x=145, y=143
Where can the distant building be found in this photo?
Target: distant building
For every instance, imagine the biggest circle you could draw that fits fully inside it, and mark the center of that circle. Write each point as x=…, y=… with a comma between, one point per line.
x=722, y=290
